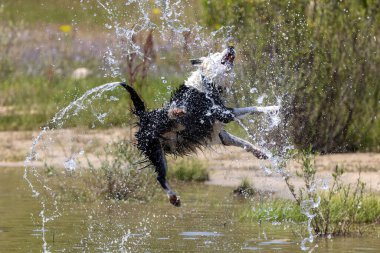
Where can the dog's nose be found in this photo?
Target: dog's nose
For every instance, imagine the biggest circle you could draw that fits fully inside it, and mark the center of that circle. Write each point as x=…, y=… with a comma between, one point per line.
x=229, y=57
x=231, y=50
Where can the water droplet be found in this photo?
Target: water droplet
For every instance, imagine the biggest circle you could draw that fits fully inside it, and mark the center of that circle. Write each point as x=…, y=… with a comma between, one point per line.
x=253, y=90
x=70, y=164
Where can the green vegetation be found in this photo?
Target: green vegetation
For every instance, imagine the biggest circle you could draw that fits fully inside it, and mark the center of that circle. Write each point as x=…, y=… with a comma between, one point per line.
x=321, y=55
x=189, y=170
x=245, y=189
x=348, y=215
x=119, y=176
x=342, y=209
x=275, y=210
x=86, y=13
x=30, y=103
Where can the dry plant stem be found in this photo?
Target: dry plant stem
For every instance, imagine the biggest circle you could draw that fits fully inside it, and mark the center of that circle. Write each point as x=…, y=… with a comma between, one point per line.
x=139, y=67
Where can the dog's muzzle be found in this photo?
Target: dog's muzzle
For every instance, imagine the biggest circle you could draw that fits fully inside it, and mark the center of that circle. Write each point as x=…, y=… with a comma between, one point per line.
x=229, y=57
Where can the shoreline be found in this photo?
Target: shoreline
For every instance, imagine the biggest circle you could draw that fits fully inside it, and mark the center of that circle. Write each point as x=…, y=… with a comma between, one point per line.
x=227, y=166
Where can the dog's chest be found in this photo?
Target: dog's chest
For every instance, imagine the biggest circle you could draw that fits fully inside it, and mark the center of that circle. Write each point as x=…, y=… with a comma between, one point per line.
x=181, y=140
x=193, y=127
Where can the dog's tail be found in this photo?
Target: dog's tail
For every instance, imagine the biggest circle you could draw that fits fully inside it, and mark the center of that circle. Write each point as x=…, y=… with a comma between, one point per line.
x=137, y=101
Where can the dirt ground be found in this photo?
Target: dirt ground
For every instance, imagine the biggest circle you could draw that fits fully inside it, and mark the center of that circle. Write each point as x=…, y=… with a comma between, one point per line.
x=228, y=166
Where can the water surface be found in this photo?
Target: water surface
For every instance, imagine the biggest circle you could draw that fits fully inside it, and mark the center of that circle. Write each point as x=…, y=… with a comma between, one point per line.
x=208, y=221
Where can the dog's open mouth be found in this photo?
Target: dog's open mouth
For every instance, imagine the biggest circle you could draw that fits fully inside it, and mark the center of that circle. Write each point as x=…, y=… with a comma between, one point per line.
x=229, y=57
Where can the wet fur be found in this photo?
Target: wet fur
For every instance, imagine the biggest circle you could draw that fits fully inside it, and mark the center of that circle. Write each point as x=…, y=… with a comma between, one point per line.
x=193, y=118
x=183, y=134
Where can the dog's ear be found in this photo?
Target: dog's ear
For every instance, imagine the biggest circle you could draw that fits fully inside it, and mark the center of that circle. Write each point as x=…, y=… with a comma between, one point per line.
x=195, y=62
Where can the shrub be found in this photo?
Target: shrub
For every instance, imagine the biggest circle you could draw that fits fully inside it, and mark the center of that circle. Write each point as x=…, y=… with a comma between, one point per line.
x=341, y=210
x=119, y=176
x=188, y=170
x=245, y=189
x=319, y=57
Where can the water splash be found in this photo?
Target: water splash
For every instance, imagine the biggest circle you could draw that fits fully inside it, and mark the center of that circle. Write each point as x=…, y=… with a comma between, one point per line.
x=128, y=23
x=169, y=27
x=32, y=174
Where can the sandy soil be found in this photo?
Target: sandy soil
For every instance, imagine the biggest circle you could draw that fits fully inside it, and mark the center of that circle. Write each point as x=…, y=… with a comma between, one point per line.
x=228, y=166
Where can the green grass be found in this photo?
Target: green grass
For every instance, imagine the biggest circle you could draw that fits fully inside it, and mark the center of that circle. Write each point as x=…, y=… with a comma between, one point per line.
x=120, y=176
x=56, y=12
x=320, y=57
x=88, y=13
x=117, y=177
x=188, y=170
x=33, y=101
x=245, y=189
x=325, y=67
x=280, y=210
x=274, y=210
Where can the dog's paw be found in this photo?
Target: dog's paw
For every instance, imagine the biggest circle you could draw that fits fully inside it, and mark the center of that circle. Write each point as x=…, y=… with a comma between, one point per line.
x=175, y=200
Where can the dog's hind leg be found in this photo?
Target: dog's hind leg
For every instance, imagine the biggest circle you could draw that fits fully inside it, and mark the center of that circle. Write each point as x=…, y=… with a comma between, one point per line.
x=157, y=157
x=244, y=111
x=228, y=139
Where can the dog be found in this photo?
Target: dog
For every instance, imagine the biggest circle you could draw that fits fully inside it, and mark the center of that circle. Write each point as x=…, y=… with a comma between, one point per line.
x=193, y=118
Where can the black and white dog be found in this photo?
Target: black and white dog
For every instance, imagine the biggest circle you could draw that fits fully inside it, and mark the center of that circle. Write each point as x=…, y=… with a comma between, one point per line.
x=194, y=117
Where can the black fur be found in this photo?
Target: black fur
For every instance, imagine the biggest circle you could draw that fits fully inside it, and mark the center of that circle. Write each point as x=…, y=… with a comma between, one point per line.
x=192, y=129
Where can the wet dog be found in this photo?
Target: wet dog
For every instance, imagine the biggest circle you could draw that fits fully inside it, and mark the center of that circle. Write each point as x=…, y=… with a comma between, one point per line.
x=193, y=118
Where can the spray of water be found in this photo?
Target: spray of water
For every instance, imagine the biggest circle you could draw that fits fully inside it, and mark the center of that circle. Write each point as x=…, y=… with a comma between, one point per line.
x=39, y=187
x=170, y=28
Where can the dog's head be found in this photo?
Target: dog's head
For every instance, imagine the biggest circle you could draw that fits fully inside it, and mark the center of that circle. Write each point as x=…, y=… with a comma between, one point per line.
x=214, y=68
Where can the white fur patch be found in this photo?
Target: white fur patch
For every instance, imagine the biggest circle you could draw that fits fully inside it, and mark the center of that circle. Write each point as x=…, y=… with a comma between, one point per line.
x=213, y=70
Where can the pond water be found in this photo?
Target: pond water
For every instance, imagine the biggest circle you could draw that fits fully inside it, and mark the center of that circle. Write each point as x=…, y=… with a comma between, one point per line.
x=208, y=221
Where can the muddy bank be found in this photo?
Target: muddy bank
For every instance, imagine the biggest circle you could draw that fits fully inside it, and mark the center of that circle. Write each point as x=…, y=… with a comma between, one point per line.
x=228, y=166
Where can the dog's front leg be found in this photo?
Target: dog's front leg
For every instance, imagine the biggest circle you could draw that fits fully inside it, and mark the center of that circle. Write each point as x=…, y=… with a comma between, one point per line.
x=228, y=139
x=244, y=111
x=157, y=157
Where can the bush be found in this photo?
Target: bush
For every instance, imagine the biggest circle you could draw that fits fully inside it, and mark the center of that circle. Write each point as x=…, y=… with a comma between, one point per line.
x=319, y=56
x=343, y=209
x=119, y=177
x=245, y=189
x=188, y=170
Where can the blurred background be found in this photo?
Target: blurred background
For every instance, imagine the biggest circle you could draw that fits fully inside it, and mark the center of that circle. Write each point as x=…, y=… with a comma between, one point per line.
x=320, y=59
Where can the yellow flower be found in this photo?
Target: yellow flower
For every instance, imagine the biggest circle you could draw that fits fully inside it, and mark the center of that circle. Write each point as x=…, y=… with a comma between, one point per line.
x=65, y=28
x=156, y=11
x=217, y=26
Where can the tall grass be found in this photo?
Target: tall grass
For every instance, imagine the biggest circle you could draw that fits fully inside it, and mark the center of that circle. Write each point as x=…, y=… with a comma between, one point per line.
x=245, y=189
x=342, y=209
x=118, y=176
x=320, y=57
x=87, y=13
x=188, y=170
x=30, y=102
